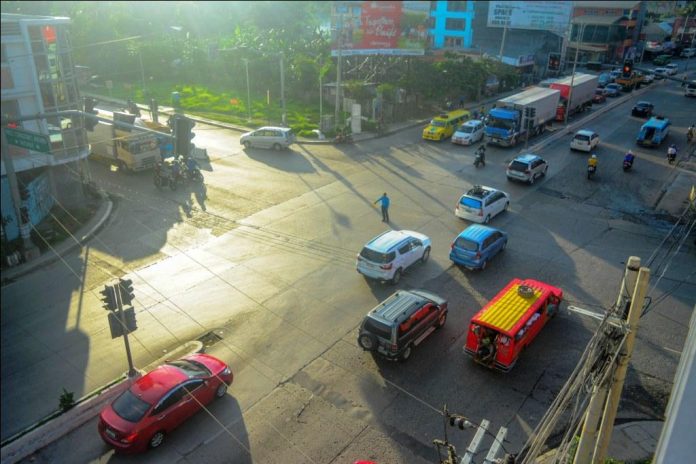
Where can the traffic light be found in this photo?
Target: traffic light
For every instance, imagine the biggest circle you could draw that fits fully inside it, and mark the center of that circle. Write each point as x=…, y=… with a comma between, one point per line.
x=129, y=316
x=125, y=290
x=89, y=103
x=183, y=136
x=554, y=61
x=627, y=68
x=109, y=298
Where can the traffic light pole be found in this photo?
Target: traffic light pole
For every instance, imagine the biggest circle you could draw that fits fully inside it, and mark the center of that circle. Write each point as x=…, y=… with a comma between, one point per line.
x=122, y=318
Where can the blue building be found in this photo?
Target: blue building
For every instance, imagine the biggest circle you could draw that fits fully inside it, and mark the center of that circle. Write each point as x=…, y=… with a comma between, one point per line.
x=451, y=24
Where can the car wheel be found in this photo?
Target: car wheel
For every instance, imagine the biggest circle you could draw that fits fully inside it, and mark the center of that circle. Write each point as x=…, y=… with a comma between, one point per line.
x=507, y=206
x=545, y=170
x=442, y=320
x=367, y=341
x=426, y=255
x=156, y=440
x=221, y=390
x=277, y=147
x=531, y=179
x=397, y=277
x=247, y=145
x=406, y=353
x=487, y=219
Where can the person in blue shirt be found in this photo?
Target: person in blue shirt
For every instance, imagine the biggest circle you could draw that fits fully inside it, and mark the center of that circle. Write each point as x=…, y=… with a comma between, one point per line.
x=384, y=202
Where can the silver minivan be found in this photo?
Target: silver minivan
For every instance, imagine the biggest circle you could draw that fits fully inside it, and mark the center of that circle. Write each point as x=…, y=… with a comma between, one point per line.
x=277, y=138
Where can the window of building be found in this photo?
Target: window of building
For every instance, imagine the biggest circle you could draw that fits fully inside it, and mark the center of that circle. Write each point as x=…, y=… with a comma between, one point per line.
x=453, y=42
x=456, y=6
x=455, y=24
x=10, y=109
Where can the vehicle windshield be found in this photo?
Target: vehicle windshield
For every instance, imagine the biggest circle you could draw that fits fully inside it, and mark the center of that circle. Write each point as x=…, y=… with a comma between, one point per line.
x=376, y=256
x=129, y=407
x=466, y=129
x=506, y=124
x=191, y=368
x=466, y=244
x=436, y=123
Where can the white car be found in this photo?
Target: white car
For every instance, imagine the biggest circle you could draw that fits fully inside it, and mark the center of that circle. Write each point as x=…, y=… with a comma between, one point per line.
x=672, y=69
x=690, y=89
x=388, y=255
x=277, y=138
x=468, y=133
x=648, y=78
x=584, y=140
x=481, y=203
x=660, y=73
x=688, y=52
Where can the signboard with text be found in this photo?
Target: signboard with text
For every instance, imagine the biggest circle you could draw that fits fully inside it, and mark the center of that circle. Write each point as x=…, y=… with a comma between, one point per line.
x=28, y=140
x=551, y=16
x=381, y=28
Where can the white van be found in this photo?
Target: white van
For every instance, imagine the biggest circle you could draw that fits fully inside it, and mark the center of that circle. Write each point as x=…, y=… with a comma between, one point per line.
x=468, y=133
x=277, y=138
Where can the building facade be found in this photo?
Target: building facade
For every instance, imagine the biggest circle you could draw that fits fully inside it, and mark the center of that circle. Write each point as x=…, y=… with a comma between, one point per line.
x=38, y=76
x=451, y=25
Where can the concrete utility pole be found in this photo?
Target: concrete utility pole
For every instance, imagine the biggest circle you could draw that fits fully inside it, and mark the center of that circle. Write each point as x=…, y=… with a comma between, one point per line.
x=590, y=429
x=246, y=65
x=578, y=41
x=634, y=313
x=502, y=44
x=282, y=88
x=339, y=39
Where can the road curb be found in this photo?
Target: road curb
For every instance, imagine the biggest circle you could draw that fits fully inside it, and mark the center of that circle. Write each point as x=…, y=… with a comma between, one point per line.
x=85, y=234
x=51, y=429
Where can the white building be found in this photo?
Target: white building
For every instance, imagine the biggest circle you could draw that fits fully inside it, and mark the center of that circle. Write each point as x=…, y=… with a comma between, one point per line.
x=38, y=76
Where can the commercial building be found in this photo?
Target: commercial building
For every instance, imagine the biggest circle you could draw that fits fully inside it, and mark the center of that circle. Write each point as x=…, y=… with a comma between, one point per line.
x=46, y=156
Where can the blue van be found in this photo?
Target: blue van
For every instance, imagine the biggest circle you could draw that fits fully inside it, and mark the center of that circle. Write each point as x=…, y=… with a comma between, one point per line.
x=653, y=132
x=476, y=245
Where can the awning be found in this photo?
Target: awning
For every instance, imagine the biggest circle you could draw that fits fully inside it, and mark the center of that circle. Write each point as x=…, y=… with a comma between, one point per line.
x=585, y=47
x=598, y=20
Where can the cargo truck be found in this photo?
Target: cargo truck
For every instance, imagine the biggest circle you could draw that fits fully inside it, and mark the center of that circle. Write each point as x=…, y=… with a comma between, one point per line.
x=129, y=151
x=514, y=117
x=631, y=82
x=584, y=86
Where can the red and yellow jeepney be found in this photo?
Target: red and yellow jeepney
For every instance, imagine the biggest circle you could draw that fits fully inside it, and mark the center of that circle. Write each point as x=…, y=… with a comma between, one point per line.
x=510, y=321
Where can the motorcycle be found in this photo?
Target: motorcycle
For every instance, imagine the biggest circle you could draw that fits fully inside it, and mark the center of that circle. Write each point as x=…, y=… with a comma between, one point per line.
x=591, y=170
x=167, y=173
x=343, y=138
x=480, y=158
x=627, y=165
x=192, y=172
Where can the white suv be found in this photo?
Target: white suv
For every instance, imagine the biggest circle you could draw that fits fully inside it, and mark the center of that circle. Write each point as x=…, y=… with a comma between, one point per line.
x=672, y=69
x=388, y=255
x=584, y=140
x=277, y=138
x=481, y=203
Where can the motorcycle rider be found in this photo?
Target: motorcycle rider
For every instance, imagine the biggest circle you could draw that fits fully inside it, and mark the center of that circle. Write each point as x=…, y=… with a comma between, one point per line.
x=672, y=153
x=629, y=158
x=481, y=154
x=690, y=133
x=592, y=162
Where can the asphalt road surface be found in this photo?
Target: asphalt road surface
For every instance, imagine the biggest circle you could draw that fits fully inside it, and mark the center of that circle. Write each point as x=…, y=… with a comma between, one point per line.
x=263, y=256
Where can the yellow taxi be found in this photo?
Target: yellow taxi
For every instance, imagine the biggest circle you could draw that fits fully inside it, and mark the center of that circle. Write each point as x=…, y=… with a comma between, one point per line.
x=443, y=125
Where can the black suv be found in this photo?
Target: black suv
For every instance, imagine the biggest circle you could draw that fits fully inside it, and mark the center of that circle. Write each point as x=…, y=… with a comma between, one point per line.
x=401, y=322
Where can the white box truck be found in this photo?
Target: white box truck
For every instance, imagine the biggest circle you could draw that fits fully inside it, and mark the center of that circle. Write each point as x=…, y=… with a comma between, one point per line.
x=584, y=86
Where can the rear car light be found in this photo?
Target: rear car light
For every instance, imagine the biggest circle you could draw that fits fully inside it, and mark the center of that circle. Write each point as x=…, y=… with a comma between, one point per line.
x=386, y=267
x=393, y=347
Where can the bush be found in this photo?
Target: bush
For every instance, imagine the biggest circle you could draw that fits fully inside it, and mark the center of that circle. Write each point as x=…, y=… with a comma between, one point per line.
x=67, y=400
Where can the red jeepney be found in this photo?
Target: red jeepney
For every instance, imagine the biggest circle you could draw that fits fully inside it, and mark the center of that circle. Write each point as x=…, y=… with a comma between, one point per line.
x=510, y=321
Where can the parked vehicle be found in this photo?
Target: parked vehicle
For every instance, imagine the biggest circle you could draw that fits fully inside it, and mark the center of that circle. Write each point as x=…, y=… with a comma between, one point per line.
x=500, y=331
x=584, y=140
x=662, y=60
x=388, y=255
x=481, y=204
x=401, y=322
x=476, y=245
x=644, y=109
x=612, y=90
x=512, y=118
x=443, y=125
x=527, y=168
x=161, y=400
x=583, y=86
x=653, y=132
x=599, y=96
x=468, y=133
x=277, y=138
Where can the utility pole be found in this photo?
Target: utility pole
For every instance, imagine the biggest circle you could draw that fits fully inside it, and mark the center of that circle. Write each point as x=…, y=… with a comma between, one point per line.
x=321, y=96
x=590, y=429
x=246, y=64
x=502, y=44
x=282, y=89
x=612, y=404
x=339, y=40
x=578, y=41
x=142, y=70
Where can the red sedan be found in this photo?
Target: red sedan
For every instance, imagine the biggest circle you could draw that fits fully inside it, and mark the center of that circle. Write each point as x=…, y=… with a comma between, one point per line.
x=161, y=400
x=599, y=96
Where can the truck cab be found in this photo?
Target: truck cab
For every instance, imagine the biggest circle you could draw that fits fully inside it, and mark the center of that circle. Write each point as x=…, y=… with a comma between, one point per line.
x=502, y=126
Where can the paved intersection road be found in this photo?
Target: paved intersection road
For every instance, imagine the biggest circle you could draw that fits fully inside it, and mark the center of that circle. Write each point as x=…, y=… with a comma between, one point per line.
x=269, y=267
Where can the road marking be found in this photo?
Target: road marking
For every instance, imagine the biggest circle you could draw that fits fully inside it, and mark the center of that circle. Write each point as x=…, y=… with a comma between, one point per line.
x=670, y=349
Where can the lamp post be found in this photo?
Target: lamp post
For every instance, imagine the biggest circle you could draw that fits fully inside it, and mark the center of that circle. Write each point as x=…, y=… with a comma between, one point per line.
x=246, y=65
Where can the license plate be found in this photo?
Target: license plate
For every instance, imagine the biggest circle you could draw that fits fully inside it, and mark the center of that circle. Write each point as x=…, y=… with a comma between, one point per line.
x=111, y=434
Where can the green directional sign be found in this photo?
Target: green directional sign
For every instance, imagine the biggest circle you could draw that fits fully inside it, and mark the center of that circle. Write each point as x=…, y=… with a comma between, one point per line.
x=28, y=140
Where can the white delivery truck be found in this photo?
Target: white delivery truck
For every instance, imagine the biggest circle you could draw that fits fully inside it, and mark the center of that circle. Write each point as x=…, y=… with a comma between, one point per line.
x=583, y=85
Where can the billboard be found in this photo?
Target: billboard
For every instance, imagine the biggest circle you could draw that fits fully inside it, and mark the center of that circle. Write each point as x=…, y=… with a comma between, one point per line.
x=547, y=16
x=381, y=28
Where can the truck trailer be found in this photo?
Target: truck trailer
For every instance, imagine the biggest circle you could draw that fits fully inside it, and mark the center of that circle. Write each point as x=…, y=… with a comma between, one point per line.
x=522, y=114
x=583, y=85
